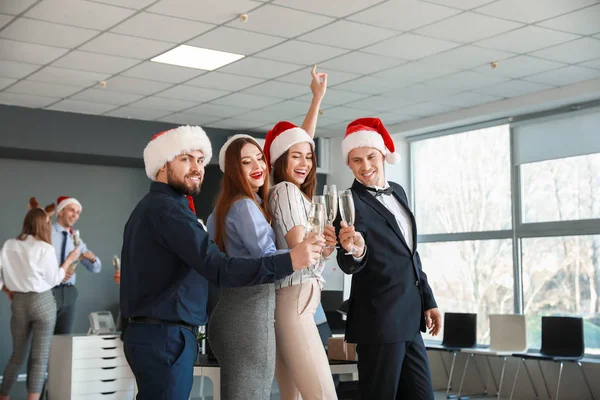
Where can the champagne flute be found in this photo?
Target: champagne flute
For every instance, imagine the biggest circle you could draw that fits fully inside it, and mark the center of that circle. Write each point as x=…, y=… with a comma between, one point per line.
x=319, y=200
x=76, y=242
x=116, y=262
x=347, y=212
x=331, y=205
x=315, y=223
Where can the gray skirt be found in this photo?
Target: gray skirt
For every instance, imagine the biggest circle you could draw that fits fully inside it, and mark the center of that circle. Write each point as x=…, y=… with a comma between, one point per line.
x=241, y=333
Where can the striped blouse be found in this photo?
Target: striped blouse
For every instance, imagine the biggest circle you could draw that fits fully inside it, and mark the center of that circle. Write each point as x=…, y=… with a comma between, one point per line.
x=290, y=208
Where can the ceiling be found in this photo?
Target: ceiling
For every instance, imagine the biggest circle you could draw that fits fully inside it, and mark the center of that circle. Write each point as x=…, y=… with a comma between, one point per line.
x=400, y=60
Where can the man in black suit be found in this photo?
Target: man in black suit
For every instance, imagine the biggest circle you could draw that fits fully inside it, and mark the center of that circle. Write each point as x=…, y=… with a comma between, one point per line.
x=390, y=300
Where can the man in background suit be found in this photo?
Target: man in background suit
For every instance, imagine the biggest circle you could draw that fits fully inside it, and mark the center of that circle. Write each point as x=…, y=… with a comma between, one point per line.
x=390, y=300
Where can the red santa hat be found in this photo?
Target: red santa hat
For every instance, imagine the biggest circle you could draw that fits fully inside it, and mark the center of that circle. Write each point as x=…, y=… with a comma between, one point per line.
x=167, y=145
x=283, y=136
x=369, y=132
x=64, y=201
x=232, y=139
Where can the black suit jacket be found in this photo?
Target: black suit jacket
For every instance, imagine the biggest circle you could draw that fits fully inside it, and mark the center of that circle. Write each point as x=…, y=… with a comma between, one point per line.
x=389, y=293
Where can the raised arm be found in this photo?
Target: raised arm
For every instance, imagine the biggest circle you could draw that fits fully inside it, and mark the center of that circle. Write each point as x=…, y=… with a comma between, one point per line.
x=318, y=86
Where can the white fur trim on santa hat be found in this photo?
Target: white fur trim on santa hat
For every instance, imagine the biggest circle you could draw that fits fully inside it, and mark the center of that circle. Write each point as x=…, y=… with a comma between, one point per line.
x=67, y=202
x=223, y=150
x=172, y=143
x=367, y=139
x=287, y=139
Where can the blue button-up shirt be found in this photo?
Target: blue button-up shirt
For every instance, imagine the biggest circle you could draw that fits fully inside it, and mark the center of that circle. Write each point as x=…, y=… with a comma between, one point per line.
x=57, y=242
x=167, y=259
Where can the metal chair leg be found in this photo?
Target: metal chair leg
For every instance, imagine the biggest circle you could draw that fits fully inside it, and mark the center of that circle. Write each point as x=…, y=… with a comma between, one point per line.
x=451, y=372
x=544, y=379
x=512, y=392
x=587, y=383
x=463, y=376
x=487, y=359
x=559, y=377
x=485, y=391
x=441, y=353
x=502, y=377
x=537, y=396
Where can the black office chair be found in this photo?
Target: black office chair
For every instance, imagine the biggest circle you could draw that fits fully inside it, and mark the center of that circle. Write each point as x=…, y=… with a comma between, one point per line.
x=460, y=332
x=562, y=341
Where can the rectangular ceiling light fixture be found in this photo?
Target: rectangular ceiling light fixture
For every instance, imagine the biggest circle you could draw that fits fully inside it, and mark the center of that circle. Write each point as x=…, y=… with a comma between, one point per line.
x=196, y=57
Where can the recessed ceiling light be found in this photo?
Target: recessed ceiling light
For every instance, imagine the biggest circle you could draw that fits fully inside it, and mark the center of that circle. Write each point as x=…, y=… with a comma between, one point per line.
x=196, y=57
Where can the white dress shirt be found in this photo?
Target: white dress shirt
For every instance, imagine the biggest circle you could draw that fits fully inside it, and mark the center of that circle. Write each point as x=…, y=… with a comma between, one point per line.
x=402, y=217
x=29, y=266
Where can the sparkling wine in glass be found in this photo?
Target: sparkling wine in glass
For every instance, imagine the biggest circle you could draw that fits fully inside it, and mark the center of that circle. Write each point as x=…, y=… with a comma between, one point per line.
x=315, y=223
x=347, y=211
x=331, y=204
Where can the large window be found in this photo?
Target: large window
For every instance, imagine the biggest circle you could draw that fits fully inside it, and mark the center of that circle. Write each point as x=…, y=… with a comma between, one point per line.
x=509, y=221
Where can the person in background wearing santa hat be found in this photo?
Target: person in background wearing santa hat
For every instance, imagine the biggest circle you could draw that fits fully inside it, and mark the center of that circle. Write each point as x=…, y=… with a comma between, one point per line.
x=302, y=367
x=167, y=261
x=68, y=211
x=390, y=299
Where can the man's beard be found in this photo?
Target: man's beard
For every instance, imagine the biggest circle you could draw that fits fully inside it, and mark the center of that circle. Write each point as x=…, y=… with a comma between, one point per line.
x=180, y=185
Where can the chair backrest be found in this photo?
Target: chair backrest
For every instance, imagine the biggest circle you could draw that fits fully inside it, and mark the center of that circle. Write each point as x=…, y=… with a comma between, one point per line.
x=460, y=330
x=562, y=337
x=508, y=332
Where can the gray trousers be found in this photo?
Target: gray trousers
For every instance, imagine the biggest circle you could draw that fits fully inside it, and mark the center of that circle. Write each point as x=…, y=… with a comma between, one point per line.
x=33, y=319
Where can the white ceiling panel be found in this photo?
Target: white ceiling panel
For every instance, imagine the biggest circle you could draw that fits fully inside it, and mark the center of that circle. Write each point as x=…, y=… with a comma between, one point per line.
x=403, y=15
x=588, y=64
x=188, y=119
x=427, y=109
x=573, y=52
x=410, y=46
x=147, y=25
x=85, y=14
x=378, y=103
x=135, y=4
x=234, y=124
x=17, y=70
x=466, y=80
x=192, y=93
x=283, y=90
x=361, y=63
x=531, y=11
x=342, y=113
x=335, y=97
x=513, y=88
x=126, y=46
x=212, y=11
x=14, y=7
x=293, y=107
x=467, y=57
x=4, y=82
x=94, y=62
x=527, y=39
x=68, y=76
x=162, y=72
x=25, y=100
x=5, y=19
x=137, y=113
x=136, y=86
x=520, y=66
x=281, y=21
x=583, y=22
x=235, y=41
x=161, y=103
x=394, y=117
x=303, y=76
x=303, y=53
x=82, y=107
x=462, y=4
x=47, y=33
x=259, y=68
x=106, y=97
x=43, y=89
x=348, y=35
x=333, y=8
x=565, y=76
x=216, y=111
x=246, y=101
x=29, y=53
x=467, y=27
x=420, y=93
x=414, y=72
x=264, y=117
x=219, y=80
x=467, y=99
x=368, y=84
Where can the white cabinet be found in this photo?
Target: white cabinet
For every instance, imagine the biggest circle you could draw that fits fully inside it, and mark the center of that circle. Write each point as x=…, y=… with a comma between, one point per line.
x=90, y=368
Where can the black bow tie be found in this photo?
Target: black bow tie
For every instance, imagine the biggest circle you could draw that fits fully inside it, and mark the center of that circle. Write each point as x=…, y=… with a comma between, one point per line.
x=380, y=192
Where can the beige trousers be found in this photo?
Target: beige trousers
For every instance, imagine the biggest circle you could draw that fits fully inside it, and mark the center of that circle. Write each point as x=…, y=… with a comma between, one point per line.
x=301, y=368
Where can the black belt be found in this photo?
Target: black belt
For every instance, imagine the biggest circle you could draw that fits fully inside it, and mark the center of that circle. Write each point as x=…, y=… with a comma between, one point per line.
x=64, y=285
x=146, y=320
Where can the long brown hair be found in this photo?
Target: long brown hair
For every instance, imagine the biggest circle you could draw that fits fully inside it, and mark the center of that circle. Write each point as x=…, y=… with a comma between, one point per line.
x=36, y=224
x=280, y=175
x=235, y=186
